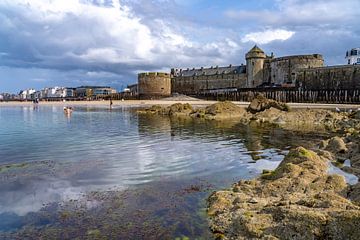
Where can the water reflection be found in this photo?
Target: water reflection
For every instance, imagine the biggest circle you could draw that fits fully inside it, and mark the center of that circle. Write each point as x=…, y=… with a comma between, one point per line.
x=100, y=150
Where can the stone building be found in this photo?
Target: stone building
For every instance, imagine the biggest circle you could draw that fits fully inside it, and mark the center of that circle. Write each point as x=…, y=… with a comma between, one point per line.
x=284, y=70
x=353, y=56
x=255, y=67
x=154, y=84
x=190, y=81
x=261, y=70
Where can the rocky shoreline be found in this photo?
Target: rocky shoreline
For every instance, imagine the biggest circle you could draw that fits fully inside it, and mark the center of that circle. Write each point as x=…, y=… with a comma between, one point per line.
x=299, y=199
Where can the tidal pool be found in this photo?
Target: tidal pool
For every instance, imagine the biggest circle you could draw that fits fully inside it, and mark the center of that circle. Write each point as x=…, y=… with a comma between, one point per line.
x=102, y=174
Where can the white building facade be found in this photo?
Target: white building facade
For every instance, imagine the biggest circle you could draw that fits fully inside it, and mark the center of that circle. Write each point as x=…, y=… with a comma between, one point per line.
x=353, y=56
x=27, y=94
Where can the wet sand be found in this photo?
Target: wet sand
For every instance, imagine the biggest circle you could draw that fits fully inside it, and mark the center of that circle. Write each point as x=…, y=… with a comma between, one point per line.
x=168, y=102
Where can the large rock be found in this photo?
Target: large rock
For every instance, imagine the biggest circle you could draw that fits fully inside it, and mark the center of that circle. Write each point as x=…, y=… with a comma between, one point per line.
x=355, y=115
x=180, y=109
x=261, y=103
x=177, y=109
x=221, y=111
x=154, y=109
x=336, y=145
x=298, y=200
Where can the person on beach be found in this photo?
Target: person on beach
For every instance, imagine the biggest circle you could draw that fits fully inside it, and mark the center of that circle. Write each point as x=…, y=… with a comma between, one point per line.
x=68, y=111
x=111, y=103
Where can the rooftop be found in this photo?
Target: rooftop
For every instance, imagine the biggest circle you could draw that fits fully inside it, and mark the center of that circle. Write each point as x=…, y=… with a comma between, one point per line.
x=256, y=49
x=213, y=71
x=94, y=87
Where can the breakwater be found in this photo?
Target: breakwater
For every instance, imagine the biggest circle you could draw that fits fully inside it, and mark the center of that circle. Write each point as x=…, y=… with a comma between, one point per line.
x=287, y=95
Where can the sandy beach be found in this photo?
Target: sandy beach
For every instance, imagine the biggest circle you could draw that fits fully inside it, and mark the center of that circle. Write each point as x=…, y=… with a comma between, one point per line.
x=146, y=103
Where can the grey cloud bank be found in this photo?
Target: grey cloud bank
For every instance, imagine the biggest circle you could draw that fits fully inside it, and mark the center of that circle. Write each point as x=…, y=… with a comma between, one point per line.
x=108, y=42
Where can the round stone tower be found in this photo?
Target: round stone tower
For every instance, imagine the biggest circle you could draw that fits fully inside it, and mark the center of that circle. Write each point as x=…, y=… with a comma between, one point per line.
x=255, y=67
x=154, y=84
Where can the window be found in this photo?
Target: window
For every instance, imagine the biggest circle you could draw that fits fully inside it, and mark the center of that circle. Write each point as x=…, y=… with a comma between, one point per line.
x=358, y=60
x=286, y=78
x=349, y=61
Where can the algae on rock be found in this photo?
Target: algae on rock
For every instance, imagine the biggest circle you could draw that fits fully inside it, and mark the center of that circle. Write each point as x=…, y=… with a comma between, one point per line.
x=298, y=200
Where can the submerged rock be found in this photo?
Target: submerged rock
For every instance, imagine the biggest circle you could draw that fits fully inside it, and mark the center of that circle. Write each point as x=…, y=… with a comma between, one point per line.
x=261, y=103
x=298, y=200
x=155, y=109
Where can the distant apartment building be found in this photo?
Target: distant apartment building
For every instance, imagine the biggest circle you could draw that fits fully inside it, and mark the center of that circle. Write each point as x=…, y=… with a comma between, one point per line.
x=70, y=92
x=55, y=92
x=8, y=97
x=27, y=94
x=133, y=89
x=91, y=91
x=353, y=56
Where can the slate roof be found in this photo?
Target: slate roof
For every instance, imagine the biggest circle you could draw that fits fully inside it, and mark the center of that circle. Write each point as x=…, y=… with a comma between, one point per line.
x=256, y=49
x=213, y=71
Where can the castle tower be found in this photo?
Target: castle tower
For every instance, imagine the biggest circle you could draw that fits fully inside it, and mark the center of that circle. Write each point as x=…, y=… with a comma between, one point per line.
x=154, y=84
x=255, y=67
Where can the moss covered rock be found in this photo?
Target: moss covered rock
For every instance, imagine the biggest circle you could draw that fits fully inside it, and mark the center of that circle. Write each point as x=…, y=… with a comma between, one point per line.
x=261, y=103
x=298, y=200
x=221, y=110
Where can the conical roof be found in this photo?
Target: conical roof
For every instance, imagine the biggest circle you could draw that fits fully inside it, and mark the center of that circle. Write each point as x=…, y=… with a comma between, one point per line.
x=256, y=52
x=256, y=49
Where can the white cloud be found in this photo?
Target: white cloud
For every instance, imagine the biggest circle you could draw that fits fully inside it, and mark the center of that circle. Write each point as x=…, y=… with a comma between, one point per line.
x=127, y=36
x=268, y=36
x=87, y=34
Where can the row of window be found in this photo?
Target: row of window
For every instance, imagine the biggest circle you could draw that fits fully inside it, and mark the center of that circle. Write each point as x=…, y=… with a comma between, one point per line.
x=353, y=52
x=357, y=61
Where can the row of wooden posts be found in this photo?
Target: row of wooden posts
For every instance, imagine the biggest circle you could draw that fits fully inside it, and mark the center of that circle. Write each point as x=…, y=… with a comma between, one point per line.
x=294, y=95
x=283, y=95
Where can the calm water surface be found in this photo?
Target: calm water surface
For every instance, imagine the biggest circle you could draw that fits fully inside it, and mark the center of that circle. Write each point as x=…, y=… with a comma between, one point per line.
x=161, y=169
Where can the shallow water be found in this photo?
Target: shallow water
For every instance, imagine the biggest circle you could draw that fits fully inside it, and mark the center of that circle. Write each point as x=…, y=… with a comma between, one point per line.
x=161, y=169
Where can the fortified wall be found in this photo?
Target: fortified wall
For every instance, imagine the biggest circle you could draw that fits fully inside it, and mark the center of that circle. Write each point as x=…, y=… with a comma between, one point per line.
x=284, y=69
x=346, y=77
x=154, y=84
x=193, y=81
x=261, y=72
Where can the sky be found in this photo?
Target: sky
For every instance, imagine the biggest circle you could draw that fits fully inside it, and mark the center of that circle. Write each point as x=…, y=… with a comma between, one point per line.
x=46, y=43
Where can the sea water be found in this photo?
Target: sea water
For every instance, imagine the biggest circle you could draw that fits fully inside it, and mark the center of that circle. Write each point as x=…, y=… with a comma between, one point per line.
x=135, y=176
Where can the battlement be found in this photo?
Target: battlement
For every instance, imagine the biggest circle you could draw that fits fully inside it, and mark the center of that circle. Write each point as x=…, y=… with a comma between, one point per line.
x=154, y=74
x=300, y=57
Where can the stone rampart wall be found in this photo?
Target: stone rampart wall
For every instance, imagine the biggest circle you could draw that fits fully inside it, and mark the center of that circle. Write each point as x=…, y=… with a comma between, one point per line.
x=197, y=84
x=330, y=78
x=283, y=70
